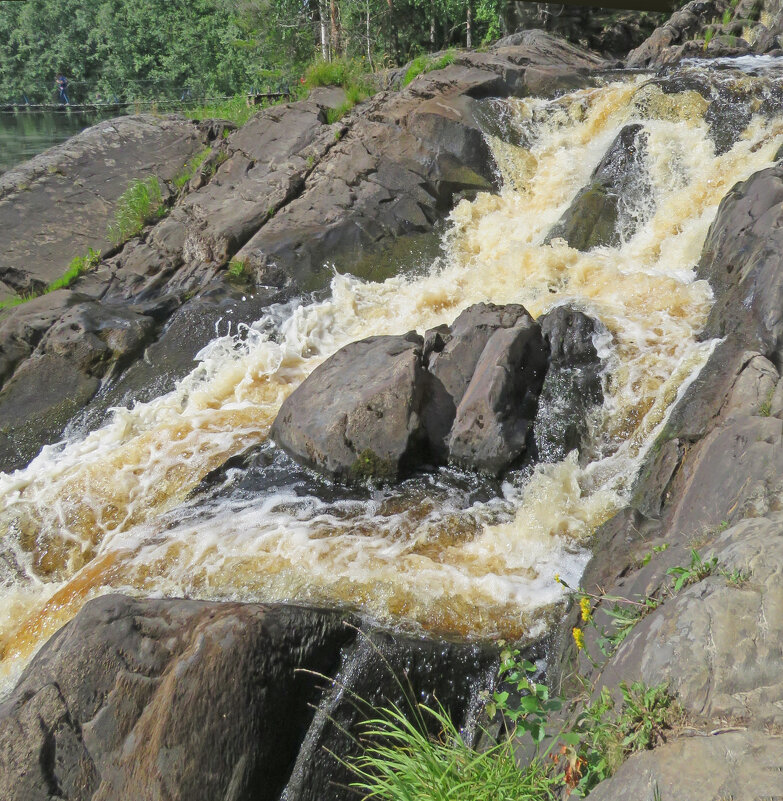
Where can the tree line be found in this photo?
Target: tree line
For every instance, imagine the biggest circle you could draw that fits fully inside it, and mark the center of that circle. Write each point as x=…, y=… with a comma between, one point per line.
x=178, y=49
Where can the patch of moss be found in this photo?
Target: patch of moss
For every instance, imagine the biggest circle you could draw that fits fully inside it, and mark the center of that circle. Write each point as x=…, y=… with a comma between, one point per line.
x=370, y=466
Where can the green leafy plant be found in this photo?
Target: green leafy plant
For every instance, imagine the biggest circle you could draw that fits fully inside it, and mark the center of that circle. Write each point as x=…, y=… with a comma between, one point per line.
x=607, y=736
x=624, y=617
x=139, y=204
x=708, y=34
x=736, y=577
x=727, y=15
x=697, y=570
x=530, y=712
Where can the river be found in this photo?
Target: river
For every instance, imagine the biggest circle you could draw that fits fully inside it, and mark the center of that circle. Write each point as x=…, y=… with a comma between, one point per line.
x=25, y=133
x=123, y=508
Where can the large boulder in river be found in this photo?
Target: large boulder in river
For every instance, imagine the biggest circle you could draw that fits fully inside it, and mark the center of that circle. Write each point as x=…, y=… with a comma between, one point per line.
x=572, y=387
x=161, y=699
x=358, y=414
x=452, y=353
x=494, y=417
x=386, y=405
x=606, y=211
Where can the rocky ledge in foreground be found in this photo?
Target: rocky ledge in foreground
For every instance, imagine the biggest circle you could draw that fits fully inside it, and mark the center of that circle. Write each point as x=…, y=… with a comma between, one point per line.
x=467, y=394
x=712, y=483
x=175, y=700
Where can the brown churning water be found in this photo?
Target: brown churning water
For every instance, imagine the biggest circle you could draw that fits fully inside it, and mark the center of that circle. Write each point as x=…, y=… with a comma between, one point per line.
x=111, y=512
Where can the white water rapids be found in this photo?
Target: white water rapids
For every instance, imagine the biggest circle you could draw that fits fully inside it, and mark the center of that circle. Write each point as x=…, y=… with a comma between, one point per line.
x=111, y=512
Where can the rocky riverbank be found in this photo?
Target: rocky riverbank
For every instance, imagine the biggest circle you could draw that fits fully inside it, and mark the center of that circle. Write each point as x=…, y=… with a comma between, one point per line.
x=178, y=699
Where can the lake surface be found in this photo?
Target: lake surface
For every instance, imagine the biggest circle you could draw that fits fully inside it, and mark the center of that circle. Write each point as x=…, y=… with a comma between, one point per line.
x=25, y=133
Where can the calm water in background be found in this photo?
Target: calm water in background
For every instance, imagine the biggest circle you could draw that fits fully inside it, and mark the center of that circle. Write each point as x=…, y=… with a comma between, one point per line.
x=23, y=134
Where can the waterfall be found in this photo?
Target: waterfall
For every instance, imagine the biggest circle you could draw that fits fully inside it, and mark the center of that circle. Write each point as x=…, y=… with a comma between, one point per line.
x=123, y=508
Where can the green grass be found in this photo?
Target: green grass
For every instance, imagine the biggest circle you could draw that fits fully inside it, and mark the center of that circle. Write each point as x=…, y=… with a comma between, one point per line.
x=402, y=762
x=139, y=204
x=348, y=74
x=76, y=268
x=235, y=109
x=425, y=63
x=189, y=168
x=238, y=270
x=727, y=16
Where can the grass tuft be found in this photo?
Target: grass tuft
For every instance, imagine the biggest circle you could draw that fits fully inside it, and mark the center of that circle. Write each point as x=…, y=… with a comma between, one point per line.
x=189, y=168
x=425, y=63
x=401, y=762
x=235, y=109
x=139, y=204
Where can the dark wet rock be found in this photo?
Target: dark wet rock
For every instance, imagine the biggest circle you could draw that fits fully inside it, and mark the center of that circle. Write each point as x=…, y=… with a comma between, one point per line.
x=606, y=211
x=496, y=413
x=743, y=766
x=452, y=354
x=432, y=671
x=175, y=700
x=464, y=393
x=741, y=261
x=166, y=700
x=84, y=341
x=357, y=415
x=572, y=386
x=669, y=43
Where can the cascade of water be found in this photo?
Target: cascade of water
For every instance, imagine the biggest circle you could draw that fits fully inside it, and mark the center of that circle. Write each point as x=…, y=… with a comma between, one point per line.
x=112, y=511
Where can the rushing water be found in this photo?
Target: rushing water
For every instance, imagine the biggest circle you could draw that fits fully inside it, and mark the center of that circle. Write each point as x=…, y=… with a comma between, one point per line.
x=123, y=508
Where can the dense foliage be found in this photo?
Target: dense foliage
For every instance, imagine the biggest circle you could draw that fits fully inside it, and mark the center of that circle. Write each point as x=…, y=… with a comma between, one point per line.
x=144, y=49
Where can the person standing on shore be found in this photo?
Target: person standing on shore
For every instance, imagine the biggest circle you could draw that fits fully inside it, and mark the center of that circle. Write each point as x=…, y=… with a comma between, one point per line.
x=62, y=84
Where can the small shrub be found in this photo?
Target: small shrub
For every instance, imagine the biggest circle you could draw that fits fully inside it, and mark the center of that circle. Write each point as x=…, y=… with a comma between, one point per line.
x=139, y=204
x=234, y=109
x=238, y=269
x=608, y=737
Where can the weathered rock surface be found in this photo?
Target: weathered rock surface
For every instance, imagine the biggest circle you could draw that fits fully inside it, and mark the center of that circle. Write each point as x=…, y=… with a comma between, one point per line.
x=451, y=354
x=166, y=700
x=741, y=260
x=606, y=211
x=177, y=699
x=58, y=205
x=494, y=417
x=744, y=766
x=572, y=386
x=712, y=482
x=358, y=415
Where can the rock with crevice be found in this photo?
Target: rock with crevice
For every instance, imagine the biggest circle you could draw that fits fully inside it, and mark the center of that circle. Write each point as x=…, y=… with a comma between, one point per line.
x=572, y=386
x=495, y=416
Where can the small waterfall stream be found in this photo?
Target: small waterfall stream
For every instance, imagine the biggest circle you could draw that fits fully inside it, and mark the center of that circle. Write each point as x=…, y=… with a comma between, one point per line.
x=126, y=508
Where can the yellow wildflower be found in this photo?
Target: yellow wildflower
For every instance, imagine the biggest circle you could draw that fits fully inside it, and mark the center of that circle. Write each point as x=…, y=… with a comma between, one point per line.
x=584, y=605
x=557, y=578
x=579, y=637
